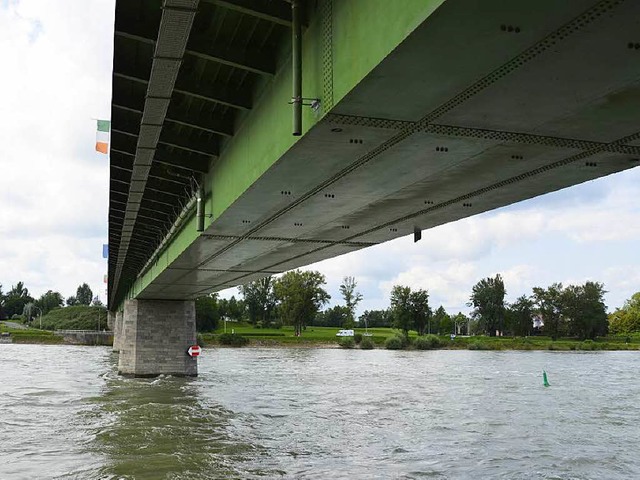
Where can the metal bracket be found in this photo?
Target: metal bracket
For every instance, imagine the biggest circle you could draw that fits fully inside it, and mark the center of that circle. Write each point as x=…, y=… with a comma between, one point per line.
x=314, y=103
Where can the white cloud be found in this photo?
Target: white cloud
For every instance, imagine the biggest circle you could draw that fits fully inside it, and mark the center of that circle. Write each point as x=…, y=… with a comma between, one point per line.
x=53, y=186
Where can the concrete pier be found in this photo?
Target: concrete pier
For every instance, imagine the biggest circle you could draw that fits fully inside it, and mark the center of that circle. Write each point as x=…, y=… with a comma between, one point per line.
x=117, y=330
x=155, y=337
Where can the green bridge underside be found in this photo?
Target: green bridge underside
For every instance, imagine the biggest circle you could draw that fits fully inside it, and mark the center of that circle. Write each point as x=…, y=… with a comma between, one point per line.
x=430, y=111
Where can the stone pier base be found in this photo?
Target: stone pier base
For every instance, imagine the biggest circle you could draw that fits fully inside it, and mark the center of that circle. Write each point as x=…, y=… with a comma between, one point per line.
x=111, y=320
x=155, y=337
x=117, y=330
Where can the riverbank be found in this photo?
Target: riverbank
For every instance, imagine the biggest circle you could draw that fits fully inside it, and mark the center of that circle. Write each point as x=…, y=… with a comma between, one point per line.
x=325, y=337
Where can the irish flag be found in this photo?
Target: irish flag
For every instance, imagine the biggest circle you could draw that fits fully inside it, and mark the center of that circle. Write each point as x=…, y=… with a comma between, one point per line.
x=102, y=136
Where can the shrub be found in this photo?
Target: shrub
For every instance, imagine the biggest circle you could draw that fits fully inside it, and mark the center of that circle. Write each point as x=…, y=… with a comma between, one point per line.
x=200, y=340
x=78, y=317
x=232, y=339
x=589, y=345
x=346, y=342
x=394, y=343
x=357, y=338
x=426, y=342
x=263, y=334
x=480, y=345
x=366, y=343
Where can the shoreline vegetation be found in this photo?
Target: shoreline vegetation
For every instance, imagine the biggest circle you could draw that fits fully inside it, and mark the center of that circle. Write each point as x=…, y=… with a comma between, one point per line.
x=390, y=338
x=381, y=338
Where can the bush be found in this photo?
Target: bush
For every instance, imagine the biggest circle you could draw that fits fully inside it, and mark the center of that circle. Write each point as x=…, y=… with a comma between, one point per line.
x=263, y=334
x=357, y=338
x=590, y=345
x=233, y=340
x=426, y=342
x=394, y=343
x=346, y=342
x=366, y=343
x=78, y=317
x=480, y=345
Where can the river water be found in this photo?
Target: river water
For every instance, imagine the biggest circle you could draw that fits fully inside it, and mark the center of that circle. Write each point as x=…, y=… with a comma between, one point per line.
x=322, y=414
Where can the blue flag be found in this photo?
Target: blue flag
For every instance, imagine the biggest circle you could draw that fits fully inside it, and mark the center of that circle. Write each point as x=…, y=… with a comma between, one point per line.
x=105, y=250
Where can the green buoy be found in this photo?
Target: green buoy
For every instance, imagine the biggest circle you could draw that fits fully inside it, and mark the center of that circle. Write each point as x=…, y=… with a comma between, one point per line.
x=544, y=379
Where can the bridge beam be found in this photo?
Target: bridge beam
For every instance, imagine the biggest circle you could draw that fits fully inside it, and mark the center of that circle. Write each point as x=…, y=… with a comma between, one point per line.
x=155, y=337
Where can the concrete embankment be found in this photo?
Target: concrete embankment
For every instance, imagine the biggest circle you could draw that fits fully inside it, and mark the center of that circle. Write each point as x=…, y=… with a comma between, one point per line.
x=85, y=337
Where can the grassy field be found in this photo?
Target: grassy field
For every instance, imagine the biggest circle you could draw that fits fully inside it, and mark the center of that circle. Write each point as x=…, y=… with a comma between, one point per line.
x=327, y=336
x=284, y=335
x=30, y=335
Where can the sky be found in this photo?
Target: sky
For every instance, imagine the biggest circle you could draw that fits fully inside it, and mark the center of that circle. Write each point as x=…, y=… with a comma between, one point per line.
x=56, y=80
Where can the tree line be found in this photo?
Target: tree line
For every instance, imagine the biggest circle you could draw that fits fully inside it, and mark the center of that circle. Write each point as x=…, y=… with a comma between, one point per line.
x=296, y=299
x=19, y=302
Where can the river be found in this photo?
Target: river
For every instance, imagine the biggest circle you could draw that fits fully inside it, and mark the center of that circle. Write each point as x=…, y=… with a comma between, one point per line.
x=321, y=414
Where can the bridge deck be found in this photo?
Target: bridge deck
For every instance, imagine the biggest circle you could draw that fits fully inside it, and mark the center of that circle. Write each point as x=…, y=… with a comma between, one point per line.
x=480, y=104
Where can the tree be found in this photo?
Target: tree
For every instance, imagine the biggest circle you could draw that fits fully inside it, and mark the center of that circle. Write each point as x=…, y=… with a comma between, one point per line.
x=300, y=296
x=231, y=308
x=375, y=318
x=461, y=323
x=584, y=310
x=520, y=314
x=84, y=295
x=351, y=298
x=548, y=302
x=16, y=299
x=442, y=321
x=259, y=300
x=97, y=302
x=332, y=317
x=2, y=315
x=207, y=313
x=420, y=311
x=29, y=311
x=72, y=301
x=626, y=320
x=49, y=301
x=401, y=309
x=487, y=299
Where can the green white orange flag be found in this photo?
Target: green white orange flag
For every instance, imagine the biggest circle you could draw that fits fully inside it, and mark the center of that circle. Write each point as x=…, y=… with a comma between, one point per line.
x=102, y=136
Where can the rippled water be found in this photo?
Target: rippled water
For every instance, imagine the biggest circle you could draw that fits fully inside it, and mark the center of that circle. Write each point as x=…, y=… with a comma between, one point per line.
x=316, y=413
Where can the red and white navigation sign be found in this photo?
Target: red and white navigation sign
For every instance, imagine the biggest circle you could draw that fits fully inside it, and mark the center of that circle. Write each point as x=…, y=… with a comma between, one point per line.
x=194, y=350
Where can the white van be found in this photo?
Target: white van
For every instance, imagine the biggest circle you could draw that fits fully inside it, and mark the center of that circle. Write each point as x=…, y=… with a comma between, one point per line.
x=345, y=333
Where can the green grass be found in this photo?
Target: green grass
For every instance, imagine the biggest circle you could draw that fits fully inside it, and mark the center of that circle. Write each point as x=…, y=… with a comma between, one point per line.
x=327, y=335
x=80, y=317
x=30, y=335
x=285, y=335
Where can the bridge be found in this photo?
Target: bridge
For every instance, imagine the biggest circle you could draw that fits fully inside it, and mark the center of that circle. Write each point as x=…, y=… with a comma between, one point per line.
x=251, y=137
